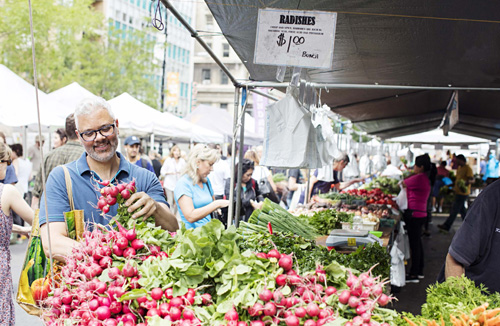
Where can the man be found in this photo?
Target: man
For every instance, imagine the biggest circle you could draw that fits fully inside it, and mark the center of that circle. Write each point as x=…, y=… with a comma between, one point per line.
x=34, y=154
x=155, y=162
x=98, y=132
x=326, y=178
x=66, y=153
x=463, y=180
x=133, y=149
x=474, y=249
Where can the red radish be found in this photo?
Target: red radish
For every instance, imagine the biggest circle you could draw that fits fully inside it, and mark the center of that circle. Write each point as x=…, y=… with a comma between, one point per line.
x=281, y=279
x=318, y=288
x=366, y=317
x=256, y=309
x=278, y=297
x=257, y=323
x=294, y=279
x=242, y=323
x=175, y=313
x=121, y=242
x=169, y=293
x=115, y=307
x=312, y=309
x=129, y=270
x=330, y=290
x=113, y=191
x=266, y=295
x=188, y=314
x=110, y=322
x=131, y=234
x=117, y=251
x=114, y=272
x=176, y=302
x=164, y=309
x=377, y=289
x=383, y=299
x=262, y=255
x=308, y=296
x=142, y=300
x=206, y=298
x=344, y=297
x=93, y=304
x=156, y=293
x=155, y=250
x=153, y=312
x=231, y=315
x=150, y=304
x=285, y=262
x=351, y=280
x=310, y=322
x=137, y=244
x=125, y=193
x=129, y=252
x=102, y=202
x=110, y=200
x=120, y=187
x=105, y=262
x=353, y=301
x=273, y=253
x=361, y=309
x=270, y=309
x=292, y=321
x=105, y=209
x=103, y=313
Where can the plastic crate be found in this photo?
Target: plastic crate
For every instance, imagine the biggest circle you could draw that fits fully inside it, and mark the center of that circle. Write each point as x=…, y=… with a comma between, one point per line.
x=387, y=222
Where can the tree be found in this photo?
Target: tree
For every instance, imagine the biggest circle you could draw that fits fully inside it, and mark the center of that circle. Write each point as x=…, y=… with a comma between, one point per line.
x=73, y=43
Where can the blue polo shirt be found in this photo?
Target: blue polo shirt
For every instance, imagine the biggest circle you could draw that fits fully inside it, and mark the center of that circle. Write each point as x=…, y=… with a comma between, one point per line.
x=200, y=196
x=86, y=190
x=148, y=166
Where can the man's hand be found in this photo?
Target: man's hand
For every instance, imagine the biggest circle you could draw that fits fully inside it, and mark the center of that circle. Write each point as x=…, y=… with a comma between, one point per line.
x=138, y=200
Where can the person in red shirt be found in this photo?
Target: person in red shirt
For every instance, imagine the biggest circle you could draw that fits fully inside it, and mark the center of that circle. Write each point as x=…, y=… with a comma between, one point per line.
x=418, y=189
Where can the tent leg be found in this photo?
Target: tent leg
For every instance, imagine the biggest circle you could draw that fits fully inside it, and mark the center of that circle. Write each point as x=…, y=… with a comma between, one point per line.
x=233, y=157
x=240, y=167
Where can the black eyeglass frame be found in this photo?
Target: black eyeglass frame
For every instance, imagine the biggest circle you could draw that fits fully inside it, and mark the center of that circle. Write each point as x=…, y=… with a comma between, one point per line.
x=94, y=132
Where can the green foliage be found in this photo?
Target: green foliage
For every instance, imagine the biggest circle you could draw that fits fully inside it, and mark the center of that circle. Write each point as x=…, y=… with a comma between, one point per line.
x=279, y=177
x=72, y=45
x=386, y=184
x=327, y=220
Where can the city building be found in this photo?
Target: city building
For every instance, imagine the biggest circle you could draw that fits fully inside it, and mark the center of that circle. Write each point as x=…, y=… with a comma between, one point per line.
x=211, y=85
x=129, y=15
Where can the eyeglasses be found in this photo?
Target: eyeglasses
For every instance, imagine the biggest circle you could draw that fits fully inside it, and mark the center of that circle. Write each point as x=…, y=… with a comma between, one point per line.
x=105, y=131
x=6, y=161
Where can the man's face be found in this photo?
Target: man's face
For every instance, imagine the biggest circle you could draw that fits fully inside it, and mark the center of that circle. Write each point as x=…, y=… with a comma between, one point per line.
x=101, y=149
x=132, y=151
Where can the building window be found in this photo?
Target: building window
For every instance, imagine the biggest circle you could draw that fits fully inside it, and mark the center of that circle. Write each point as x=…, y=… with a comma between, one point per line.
x=209, y=21
x=124, y=17
x=223, y=106
x=225, y=50
x=205, y=76
x=130, y=21
x=209, y=44
x=224, y=80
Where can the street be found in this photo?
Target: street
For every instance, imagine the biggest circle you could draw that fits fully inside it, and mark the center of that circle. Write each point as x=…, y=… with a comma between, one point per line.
x=22, y=318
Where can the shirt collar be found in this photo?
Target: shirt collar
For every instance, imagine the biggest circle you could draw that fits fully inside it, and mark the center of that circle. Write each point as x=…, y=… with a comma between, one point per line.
x=82, y=166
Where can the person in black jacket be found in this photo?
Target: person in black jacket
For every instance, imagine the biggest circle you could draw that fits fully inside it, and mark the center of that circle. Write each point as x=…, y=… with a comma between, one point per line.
x=251, y=198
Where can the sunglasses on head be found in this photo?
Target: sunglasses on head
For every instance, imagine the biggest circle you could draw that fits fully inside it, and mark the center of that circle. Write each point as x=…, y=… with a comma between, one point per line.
x=6, y=161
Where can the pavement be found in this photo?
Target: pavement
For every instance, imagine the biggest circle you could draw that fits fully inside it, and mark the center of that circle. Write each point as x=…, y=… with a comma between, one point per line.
x=412, y=296
x=409, y=298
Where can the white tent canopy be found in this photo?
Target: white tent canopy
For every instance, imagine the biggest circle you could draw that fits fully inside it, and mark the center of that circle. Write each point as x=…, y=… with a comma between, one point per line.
x=18, y=102
x=133, y=114
x=436, y=137
x=70, y=96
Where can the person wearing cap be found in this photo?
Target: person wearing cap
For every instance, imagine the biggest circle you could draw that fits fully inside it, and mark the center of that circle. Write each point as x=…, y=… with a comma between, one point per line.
x=34, y=154
x=463, y=180
x=98, y=132
x=133, y=148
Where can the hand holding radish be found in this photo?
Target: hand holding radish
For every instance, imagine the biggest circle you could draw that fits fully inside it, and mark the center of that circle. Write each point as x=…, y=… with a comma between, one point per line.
x=142, y=201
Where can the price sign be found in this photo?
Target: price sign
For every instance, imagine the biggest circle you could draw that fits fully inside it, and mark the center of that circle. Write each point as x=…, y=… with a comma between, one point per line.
x=295, y=38
x=351, y=242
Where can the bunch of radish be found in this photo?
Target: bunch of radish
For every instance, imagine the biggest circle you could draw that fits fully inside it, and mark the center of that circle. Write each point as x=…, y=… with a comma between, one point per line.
x=111, y=194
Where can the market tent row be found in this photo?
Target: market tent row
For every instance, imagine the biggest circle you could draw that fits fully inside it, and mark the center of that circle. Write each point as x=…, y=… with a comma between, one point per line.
x=221, y=121
x=134, y=114
x=436, y=137
x=395, y=65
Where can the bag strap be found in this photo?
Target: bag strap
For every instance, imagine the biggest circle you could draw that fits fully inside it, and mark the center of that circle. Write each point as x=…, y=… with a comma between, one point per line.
x=144, y=163
x=69, y=188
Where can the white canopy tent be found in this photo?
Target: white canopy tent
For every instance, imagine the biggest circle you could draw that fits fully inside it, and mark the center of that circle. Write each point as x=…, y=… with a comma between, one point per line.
x=436, y=137
x=69, y=96
x=134, y=114
x=18, y=102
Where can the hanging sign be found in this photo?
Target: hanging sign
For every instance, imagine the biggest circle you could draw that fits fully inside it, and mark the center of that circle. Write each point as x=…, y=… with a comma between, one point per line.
x=295, y=38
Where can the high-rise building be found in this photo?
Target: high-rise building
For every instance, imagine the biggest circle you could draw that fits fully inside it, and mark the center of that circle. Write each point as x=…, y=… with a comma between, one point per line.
x=211, y=84
x=130, y=15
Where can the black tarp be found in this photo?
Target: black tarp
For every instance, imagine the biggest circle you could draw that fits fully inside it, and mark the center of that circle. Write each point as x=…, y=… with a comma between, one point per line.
x=392, y=42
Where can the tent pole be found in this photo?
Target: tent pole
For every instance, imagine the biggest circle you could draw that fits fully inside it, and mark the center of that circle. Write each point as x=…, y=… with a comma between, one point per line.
x=366, y=86
x=195, y=34
x=240, y=167
x=264, y=94
x=233, y=157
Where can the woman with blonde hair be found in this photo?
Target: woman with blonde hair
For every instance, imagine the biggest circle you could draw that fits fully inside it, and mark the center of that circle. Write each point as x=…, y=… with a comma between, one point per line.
x=10, y=201
x=171, y=172
x=194, y=193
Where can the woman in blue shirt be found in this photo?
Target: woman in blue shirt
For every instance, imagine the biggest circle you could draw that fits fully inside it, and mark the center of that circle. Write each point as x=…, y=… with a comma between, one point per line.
x=193, y=192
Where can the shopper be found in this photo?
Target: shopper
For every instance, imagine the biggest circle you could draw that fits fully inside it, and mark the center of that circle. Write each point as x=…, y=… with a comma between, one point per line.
x=194, y=193
x=10, y=201
x=251, y=198
x=463, y=180
x=133, y=150
x=418, y=188
x=22, y=168
x=35, y=155
x=442, y=173
x=171, y=171
x=263, y=176
x=69, y=152
x=98, y=132
x=59, y=138
x=474, y=249
x=155, y=162
x=10, y=176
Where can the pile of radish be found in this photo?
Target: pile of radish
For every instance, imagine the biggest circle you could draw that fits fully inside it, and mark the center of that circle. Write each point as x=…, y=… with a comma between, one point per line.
x=117, y=278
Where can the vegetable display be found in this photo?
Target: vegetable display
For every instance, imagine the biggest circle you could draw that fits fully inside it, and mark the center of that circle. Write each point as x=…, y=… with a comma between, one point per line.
x=387, y=185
